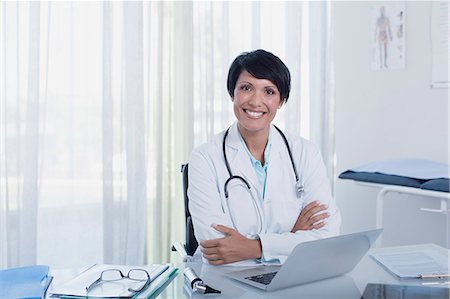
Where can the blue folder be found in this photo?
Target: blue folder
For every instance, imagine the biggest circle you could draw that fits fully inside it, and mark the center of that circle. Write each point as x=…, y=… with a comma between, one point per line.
x=25, y=282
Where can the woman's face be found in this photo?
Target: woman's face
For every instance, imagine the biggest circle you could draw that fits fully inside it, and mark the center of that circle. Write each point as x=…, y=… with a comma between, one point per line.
x=256, y=102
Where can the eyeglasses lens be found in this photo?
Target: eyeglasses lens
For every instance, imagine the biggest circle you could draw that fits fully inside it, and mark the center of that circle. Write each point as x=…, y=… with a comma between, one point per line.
x=137, y=274
x=111, y=275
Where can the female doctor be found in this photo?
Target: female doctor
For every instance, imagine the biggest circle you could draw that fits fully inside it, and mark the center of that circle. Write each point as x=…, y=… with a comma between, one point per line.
x=254, y=192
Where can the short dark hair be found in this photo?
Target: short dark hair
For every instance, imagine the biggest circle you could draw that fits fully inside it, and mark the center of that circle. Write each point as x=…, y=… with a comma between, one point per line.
x=261, y=65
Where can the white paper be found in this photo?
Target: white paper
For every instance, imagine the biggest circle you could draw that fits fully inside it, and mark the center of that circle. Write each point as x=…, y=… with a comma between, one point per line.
x=408, y=264
x=119, y=288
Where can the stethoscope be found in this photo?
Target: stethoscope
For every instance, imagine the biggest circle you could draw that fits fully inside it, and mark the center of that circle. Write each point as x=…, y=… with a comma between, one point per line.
x=298, y=186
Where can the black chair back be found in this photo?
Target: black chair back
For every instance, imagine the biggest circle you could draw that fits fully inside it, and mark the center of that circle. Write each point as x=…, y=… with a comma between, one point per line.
x=191, y=243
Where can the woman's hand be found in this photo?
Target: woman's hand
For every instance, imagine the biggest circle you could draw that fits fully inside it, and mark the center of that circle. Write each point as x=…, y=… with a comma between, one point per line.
x=310, y=218
x=233, y=247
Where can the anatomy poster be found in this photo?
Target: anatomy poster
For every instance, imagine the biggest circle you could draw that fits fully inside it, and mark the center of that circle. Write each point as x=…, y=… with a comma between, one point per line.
x=388, y=36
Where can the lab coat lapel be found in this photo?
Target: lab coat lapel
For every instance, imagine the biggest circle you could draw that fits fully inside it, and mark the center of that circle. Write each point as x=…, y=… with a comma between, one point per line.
x=276, y=170
x=239, y=160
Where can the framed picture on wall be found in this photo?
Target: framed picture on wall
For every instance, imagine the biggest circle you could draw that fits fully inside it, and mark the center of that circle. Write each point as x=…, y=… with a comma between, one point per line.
x=388, y=36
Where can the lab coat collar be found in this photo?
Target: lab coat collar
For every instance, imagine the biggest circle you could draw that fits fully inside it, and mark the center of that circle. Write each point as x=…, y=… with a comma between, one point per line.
x=277, y=165
x=233, y=139
x=238, y=159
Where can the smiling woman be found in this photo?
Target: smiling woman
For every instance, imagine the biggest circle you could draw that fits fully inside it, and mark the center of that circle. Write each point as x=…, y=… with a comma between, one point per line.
x=275, y=192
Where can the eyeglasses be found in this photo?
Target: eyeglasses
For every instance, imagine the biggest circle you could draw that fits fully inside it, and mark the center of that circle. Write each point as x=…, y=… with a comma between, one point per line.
x=116, y=274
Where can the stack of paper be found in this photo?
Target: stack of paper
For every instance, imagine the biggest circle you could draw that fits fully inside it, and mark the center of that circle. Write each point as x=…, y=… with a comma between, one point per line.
x=25, y=282
x=413, y=263
x=159, y=275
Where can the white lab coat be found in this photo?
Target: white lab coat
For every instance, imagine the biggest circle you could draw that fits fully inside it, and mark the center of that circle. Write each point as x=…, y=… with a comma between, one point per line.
x=280, y=207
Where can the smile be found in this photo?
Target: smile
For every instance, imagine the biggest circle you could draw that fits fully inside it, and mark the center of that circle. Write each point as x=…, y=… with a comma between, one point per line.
x=254, y=114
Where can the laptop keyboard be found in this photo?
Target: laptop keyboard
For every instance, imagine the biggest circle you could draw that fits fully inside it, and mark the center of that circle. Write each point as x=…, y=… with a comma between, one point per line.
x=265, y=278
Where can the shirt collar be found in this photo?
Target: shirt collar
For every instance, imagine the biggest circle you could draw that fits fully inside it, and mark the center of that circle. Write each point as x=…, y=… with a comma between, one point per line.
x=256, y=162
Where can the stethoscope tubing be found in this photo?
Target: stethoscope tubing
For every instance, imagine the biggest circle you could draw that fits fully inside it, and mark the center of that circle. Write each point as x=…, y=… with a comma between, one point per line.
x=232, y=177
x=225, y=187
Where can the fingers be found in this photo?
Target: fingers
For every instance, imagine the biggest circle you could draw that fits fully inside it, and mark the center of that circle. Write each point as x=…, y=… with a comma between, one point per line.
x=210, y=250
x=311, y=217
x=215, y=242
x=231, y=248
x=317, y=225
x=211, y=253
x=210, y=243
x=313, y=208
x=316, y=221
x=224, y=229
x=310, y=225
x=217, y=262
x=213, y=258
x=307, y=210
x=318, y=217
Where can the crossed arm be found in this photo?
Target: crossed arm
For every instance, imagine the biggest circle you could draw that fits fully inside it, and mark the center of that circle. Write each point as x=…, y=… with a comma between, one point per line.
x=235, y=247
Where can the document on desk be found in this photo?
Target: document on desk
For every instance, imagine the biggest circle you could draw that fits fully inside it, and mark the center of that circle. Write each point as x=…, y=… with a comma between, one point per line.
x=413, y=263
x=107, y=289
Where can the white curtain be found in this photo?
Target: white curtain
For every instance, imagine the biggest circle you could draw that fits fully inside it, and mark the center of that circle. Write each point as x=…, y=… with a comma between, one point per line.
x=101, y=103
x=321, y=84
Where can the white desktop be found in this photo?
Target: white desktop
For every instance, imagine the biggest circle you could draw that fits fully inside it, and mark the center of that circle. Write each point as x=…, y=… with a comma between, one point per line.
x=349, y=286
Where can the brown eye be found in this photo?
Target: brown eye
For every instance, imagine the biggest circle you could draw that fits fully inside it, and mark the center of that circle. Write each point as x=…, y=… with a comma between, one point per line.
x=270, y=91
x=245, y=87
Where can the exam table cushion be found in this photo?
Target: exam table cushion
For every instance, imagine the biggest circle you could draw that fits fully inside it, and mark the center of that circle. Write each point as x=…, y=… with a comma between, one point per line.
x=416, y=173
x=437, y=185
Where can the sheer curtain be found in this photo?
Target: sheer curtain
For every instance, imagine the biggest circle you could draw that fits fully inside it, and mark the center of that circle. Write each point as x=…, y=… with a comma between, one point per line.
x=101, y=102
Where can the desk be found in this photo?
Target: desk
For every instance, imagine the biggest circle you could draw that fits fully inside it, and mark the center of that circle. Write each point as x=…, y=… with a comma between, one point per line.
x=348, y=286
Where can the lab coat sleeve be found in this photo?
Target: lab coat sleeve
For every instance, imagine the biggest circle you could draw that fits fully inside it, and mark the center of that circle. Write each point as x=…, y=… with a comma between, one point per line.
x=204, y=196
x=277, y=246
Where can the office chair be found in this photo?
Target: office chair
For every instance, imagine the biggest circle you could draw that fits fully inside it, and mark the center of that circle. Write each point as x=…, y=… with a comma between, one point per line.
x=191, y=243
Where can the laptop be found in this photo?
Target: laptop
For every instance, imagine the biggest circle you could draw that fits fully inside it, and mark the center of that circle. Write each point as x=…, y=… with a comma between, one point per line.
x=311, y=261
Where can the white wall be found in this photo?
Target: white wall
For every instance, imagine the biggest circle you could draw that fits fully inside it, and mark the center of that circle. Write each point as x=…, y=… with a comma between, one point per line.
x=385, y=115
